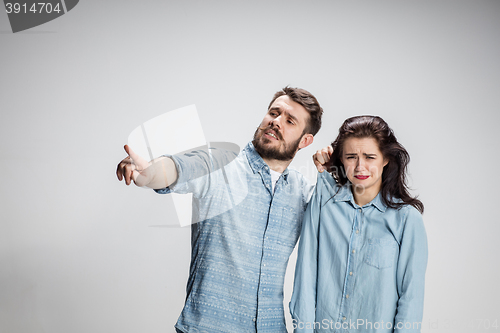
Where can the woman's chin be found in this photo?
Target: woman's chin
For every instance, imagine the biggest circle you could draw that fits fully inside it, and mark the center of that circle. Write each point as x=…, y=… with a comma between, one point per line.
x=357, y=185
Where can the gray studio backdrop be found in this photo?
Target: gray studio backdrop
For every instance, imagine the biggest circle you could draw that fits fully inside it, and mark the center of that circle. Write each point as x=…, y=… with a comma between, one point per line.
x=81, y=252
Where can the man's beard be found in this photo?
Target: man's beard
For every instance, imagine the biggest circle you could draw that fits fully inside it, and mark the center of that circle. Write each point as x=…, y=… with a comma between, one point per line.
x=286, y=154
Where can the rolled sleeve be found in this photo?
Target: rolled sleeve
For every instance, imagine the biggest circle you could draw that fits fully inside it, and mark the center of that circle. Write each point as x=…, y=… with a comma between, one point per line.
x=181, y=164
x=195, y=171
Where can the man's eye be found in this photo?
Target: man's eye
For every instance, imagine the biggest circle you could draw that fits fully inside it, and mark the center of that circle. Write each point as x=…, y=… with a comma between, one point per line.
x=290, y=122
x=370, y=157
x=350, y=157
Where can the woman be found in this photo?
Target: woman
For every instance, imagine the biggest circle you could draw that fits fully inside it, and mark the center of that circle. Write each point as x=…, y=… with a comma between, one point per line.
x=363, y=248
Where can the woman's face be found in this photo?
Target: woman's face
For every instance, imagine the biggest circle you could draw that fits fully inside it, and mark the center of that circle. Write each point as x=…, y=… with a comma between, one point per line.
x=364, y=164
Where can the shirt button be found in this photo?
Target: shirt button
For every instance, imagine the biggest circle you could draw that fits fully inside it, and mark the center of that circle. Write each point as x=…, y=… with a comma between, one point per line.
x=350, y=273
x=357, y=231
x=353, y=251
x=264, y=265
x=254, y=319
x=346, y=296
x=344, y=318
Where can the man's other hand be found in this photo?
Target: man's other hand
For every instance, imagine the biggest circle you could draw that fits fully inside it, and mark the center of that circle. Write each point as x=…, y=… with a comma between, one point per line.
x=322, y=158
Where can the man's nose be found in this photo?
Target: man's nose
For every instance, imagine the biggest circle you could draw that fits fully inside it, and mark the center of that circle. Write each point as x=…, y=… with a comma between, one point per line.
x=276, y=121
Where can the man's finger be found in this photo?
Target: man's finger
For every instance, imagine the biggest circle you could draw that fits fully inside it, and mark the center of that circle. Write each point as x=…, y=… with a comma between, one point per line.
x=131, y=153
x=318, y=165
x=326, y=157
x=128, y=173
x=315, y=155
x=121, y=166
x=320, y=158
x=119, y=171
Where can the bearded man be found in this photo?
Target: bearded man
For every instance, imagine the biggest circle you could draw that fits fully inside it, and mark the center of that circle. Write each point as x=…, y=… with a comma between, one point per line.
x=247, y=215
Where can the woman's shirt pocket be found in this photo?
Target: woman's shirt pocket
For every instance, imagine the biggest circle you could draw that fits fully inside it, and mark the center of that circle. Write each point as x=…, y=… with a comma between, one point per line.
x=380, y=252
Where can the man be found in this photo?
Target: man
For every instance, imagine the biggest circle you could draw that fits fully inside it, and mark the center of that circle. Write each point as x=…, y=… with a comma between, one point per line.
x=250, y=208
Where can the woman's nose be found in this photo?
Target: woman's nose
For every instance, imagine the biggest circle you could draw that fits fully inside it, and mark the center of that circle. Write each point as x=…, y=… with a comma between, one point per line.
x=360, y=164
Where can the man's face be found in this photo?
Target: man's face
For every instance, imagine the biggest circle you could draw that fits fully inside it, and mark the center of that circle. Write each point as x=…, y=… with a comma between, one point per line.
x=281, y=132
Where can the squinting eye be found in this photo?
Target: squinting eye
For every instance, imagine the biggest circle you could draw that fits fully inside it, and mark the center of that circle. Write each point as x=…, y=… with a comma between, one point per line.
x=350, y=157
x=290, y=122
x=370, y=157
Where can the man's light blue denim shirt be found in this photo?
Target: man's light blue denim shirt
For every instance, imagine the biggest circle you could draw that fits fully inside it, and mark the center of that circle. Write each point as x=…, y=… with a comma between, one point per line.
x=359, y=269
x=240, y=249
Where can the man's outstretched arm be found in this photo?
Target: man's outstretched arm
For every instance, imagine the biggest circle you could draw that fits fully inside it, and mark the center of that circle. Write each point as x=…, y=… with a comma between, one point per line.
x=156, y=174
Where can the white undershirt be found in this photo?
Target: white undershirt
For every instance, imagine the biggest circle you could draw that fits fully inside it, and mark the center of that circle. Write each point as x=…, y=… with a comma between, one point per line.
x=275, y=175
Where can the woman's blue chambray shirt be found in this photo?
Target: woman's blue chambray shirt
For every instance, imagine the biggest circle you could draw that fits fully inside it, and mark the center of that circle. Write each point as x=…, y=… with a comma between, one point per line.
x=241, y=246
x=359, y=269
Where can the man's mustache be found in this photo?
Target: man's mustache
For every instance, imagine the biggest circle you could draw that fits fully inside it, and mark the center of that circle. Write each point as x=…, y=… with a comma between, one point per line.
x=274, y=129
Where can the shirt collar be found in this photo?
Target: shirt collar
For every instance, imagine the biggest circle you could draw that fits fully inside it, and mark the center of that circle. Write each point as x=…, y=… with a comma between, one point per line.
x=379, y=203
x=345, y=194
x=256, y=162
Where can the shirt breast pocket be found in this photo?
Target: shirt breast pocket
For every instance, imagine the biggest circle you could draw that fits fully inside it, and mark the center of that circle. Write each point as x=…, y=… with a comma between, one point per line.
x=380, y=252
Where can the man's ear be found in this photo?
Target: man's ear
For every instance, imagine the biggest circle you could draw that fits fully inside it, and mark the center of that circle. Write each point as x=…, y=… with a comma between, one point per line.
x=306, y=140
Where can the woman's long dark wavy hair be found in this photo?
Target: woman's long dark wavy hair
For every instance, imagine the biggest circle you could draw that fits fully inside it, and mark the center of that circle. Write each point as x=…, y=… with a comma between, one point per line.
x=394, y=184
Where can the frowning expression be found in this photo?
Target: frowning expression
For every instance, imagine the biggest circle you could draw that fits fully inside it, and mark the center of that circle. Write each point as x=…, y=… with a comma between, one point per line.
x=364, y=163
x=281, y=132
